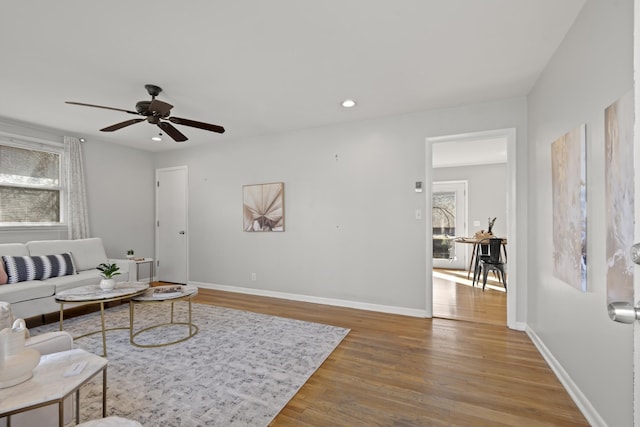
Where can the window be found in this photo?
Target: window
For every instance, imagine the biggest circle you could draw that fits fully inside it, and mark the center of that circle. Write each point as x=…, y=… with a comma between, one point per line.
x=31, y=190
x=444, y=224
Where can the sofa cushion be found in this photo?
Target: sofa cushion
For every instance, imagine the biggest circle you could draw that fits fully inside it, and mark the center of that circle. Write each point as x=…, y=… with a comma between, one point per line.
x=87, y=253
x=50, y=342
x=26, y=291
x=83, y=278
x=39, y=267
x=16, y=249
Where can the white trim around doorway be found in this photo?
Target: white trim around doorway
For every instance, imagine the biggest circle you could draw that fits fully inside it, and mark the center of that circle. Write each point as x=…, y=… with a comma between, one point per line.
x=510, y=135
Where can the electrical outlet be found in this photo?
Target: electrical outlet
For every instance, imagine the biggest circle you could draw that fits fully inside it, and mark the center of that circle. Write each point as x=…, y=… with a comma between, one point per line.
x=253, y=277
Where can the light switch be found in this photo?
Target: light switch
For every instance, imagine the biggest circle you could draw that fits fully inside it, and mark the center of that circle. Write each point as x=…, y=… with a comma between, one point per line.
x=418, y=213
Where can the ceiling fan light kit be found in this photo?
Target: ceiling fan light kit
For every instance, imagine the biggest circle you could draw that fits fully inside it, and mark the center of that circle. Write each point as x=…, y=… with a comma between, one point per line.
x=155, y=112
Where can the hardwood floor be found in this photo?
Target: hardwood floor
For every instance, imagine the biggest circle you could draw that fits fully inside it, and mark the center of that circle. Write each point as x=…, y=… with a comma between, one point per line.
x=396, y=370
x=455, y=298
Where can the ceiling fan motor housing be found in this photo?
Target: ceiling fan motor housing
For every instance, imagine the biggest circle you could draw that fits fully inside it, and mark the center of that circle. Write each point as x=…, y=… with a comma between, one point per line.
x=142, y=107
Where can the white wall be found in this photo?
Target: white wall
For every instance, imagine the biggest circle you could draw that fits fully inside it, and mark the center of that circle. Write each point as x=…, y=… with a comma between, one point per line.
x=121, y=197
x=592, y=68
x=487, y=194
x=351, y=232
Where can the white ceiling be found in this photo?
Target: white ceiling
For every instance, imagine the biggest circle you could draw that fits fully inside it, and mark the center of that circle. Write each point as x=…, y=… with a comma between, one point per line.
x=261, y=67
x=469, y=152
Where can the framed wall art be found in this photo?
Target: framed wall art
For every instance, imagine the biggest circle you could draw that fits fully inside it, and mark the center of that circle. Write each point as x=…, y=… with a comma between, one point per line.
x=569, y=195
x=619, y=198
x=263, y=207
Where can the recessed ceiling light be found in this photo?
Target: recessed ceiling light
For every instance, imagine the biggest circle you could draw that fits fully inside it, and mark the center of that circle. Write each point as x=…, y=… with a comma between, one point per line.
x=348, y=103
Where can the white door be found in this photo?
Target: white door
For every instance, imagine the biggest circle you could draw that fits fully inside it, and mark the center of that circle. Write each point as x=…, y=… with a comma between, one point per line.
x=636, y=165
x=171, y=224
x=625, y=311
x=448, y=220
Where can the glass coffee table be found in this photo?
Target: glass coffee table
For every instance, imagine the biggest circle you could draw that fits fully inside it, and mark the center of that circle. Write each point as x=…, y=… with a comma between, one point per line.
x=163, y=294
x=92, y=294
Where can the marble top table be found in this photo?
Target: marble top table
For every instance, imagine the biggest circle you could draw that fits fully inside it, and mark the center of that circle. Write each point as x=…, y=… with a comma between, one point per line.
x=92, y=294
x=49, y=385
x=163, y=293
x=158, y=294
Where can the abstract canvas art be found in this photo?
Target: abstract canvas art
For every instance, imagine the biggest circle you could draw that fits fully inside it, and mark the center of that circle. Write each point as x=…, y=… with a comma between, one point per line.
x=263, y=207
x=569, y=195
x=619, y=198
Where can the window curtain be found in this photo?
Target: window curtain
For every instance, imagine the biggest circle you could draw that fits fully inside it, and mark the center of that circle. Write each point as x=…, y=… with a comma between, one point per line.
x=77, y=212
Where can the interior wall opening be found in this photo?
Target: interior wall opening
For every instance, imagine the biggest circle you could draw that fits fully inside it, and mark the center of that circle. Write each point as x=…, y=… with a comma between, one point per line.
x=470, y=175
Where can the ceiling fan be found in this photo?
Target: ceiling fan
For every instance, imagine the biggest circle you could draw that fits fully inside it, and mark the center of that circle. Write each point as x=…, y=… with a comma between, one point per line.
x=155, y=112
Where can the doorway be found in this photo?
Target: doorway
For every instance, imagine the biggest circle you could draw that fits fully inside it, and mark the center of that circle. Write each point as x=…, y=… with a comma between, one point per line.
x=171, y=224
x=479, y=154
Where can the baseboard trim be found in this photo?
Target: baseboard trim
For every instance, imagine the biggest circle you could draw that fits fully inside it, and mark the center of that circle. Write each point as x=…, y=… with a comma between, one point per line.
x=519, y=326
x=587, y=409
x=316, y=300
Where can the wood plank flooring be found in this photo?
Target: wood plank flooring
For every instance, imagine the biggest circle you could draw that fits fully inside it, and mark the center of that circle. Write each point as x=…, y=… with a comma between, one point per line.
x=455, y=298
x=396, y=370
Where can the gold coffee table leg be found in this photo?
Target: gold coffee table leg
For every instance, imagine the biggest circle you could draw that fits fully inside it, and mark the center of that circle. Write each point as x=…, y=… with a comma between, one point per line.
x=61, y=315
x=193, y=329
x=104, y=332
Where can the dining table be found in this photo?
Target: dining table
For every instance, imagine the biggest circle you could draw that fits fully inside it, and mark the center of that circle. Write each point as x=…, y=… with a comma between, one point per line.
x=475, y=252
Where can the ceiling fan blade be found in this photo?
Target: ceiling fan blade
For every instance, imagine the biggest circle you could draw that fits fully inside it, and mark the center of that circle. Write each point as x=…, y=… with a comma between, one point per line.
x=160, y=107
x=121, y=125
x=100, y=106
x=172, y=132
x=195, y=124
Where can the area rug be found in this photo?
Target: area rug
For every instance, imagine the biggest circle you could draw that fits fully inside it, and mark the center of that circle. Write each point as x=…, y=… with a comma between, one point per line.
x=240, y=369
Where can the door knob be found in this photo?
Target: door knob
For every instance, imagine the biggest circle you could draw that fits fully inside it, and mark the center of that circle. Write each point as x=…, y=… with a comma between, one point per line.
x=635, y=253
x=181, y=232
x=623, y=312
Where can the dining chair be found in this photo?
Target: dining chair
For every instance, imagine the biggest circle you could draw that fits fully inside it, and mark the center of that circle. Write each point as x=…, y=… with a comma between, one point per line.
x=490, y=259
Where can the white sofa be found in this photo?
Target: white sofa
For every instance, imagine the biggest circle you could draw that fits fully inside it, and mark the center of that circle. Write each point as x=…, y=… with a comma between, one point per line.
x=36, y=297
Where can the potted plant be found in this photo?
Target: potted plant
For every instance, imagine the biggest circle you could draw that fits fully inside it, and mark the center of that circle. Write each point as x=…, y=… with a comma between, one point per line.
x=130, y=254
x=108, y=271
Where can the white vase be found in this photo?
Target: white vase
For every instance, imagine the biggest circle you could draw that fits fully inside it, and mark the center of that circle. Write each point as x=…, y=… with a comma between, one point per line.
x=16, y=362
x=107, y=284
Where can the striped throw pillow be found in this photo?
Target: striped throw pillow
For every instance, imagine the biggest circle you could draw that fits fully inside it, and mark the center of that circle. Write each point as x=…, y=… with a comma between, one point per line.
x=23, y=268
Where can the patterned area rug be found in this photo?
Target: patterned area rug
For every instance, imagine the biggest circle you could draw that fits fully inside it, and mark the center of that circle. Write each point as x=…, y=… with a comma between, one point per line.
x=240, y=369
